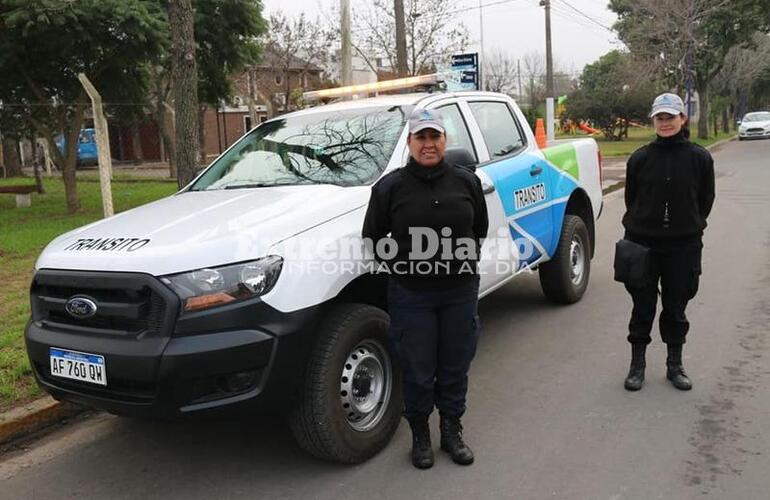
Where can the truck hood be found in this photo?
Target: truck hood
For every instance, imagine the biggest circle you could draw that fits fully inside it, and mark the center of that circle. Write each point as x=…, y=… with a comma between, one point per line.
x=193, y=230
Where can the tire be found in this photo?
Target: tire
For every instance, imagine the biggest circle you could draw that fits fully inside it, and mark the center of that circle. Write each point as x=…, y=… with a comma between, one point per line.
x=565, y=277
x=352, y=341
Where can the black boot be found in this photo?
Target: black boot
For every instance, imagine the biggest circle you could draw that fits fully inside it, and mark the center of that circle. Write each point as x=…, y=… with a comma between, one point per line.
x=422, y=452
x=675, y=371
x=635, y=377
x=452, y=440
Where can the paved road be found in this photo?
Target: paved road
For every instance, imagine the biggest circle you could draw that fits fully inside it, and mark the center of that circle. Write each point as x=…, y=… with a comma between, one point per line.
x=548, y=415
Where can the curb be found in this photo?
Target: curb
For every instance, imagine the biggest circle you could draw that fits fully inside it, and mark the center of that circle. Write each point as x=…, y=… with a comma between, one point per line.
x=33, y=417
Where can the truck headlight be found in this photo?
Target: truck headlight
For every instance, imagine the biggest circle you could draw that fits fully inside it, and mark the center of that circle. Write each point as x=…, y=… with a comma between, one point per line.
x=211, y=287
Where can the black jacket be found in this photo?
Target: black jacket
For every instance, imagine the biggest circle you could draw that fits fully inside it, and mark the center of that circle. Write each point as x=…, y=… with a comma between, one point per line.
x=669, y=189
x=444, y=196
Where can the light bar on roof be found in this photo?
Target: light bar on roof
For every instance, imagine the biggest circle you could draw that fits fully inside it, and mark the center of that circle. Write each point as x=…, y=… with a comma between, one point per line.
x=364, y=88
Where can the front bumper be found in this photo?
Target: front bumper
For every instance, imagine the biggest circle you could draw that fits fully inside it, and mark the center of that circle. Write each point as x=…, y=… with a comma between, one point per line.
x=243, y=356
x=754, y=134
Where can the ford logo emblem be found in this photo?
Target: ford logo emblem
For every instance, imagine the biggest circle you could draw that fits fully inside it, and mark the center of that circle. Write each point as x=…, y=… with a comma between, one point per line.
x=80, y=307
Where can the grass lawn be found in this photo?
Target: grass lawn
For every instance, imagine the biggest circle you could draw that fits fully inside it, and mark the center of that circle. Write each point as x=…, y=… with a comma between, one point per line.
x=638, y=137
x=24, y=232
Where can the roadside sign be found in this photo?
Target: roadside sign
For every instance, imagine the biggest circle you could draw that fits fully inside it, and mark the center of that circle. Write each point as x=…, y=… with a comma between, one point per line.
x=466, y=70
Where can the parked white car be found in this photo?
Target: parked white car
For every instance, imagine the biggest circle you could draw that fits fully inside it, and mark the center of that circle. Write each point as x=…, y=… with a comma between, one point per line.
x=755, y=125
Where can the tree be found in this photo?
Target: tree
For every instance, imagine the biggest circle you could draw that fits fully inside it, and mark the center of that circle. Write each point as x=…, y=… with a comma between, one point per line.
x=13, y=128
x=432, y=35
x=689, y=39
x=44, y=44
x=734, y=84
x=501, y=72
x=184, y=82
x=11, y=158
x=227, y=34
x=297, y=44
x=611, y=94
x=534, y=71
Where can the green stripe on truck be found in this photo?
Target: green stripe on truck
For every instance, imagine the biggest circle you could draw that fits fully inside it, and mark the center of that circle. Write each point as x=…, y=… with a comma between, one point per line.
x=564, y=157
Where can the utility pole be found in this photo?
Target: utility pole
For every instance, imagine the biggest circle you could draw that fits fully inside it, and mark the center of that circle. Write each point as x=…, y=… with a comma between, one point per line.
x=481, y=48
x=549, y=95
x=398, y=7
x=346, y=55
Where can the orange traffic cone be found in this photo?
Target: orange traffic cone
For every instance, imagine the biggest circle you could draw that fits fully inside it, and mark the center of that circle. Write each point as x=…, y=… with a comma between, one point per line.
x=540, y=138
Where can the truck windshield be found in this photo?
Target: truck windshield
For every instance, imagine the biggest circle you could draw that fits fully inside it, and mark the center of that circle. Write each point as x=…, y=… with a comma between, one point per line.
x=346, y=148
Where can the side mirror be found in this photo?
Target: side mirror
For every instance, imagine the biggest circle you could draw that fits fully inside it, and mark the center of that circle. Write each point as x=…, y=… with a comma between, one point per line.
x=460, y=156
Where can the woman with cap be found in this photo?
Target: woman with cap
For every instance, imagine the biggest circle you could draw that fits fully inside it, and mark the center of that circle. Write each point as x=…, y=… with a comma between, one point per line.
x=669, y=195
x=432, y=289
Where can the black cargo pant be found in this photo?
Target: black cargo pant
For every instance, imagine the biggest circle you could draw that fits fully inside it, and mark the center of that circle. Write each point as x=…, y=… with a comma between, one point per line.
x=676, y=266
x=433, y=336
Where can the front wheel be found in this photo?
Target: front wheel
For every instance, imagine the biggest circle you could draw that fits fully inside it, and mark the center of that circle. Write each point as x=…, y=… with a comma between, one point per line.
x=350, y=404
x=565, y=277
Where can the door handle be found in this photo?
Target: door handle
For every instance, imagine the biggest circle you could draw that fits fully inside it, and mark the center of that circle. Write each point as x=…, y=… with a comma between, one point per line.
x=487, y=188
x=535, y=170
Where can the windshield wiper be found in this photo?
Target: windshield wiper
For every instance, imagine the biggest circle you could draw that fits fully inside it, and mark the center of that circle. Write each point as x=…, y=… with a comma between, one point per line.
x=263, y=184
x=256, y=185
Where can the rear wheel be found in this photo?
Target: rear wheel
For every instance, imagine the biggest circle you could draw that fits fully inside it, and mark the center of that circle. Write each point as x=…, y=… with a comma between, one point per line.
x=565, y=277
x=350, y=404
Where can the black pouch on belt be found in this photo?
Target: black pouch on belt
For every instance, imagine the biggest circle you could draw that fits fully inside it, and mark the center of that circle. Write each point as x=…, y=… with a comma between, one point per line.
x=632, y=262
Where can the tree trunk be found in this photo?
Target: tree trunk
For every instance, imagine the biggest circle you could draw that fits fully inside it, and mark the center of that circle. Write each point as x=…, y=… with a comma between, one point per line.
x=12, y=160
x=703, y=105
x=37, y=159
x=70, y=160
x=136, y=143
x=725, y=120
x=286, y=100
x=716, y=125
x=184, y=75
x=168, y=144
x=202, y=133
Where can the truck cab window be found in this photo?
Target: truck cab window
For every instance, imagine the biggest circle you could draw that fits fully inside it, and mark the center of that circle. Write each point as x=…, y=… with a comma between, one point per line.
x=498, y=127
x=457, y=134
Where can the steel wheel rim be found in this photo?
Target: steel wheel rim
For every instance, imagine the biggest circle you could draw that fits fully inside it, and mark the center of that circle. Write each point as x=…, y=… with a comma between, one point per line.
x=577, y=260
x=365, y=385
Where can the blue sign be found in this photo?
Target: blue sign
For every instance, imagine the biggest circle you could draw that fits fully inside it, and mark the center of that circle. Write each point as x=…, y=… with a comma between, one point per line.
x=467, y=65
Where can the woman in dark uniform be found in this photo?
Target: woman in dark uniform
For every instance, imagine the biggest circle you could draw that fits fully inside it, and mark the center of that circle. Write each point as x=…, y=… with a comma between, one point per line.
x=669, y=195
x=432, y=292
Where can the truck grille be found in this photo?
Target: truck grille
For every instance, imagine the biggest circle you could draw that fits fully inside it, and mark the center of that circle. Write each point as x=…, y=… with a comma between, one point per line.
x=126, y=304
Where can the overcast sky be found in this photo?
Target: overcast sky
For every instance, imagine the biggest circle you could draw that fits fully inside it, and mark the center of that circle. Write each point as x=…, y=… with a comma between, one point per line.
x=517, y=26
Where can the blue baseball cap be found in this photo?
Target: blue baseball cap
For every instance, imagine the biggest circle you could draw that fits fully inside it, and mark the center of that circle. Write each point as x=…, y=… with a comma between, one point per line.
x=420, y=119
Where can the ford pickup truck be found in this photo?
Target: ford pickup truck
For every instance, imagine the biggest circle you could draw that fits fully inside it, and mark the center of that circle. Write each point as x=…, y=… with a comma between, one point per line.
x=248, y=290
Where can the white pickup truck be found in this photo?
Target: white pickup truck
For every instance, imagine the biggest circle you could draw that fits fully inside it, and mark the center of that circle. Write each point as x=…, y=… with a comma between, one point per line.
x=248, y=290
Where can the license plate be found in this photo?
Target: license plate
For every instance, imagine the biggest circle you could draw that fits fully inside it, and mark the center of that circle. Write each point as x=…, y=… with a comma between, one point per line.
x=78, y=366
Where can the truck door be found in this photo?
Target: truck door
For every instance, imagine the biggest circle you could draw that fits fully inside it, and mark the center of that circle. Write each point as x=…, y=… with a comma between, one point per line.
x=521, y=179
x=490, y=269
